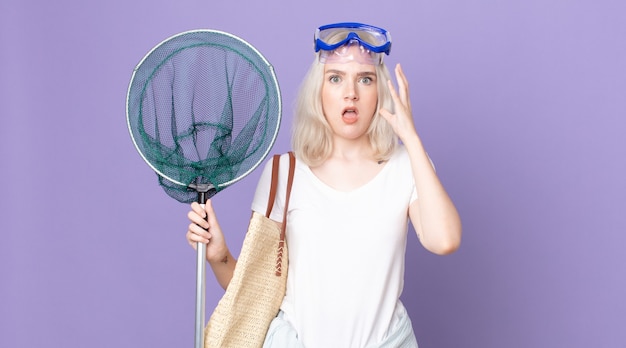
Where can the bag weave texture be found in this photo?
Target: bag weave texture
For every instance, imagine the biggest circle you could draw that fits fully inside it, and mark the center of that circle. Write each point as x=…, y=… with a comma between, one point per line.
x=257, y=289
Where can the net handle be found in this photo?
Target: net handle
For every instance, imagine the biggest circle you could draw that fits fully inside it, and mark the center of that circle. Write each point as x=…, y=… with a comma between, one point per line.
x=200, y=282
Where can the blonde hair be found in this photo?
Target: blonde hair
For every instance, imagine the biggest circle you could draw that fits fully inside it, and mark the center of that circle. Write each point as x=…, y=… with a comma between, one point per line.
x=312, y=135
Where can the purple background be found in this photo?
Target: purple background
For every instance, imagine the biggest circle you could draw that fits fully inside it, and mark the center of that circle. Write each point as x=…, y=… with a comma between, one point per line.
x=521, y=105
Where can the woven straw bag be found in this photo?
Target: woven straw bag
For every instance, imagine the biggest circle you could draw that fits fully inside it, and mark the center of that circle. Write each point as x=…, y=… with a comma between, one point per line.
x=255, y=293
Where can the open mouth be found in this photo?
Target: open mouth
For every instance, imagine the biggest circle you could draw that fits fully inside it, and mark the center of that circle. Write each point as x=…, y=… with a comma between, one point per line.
x=350, y=115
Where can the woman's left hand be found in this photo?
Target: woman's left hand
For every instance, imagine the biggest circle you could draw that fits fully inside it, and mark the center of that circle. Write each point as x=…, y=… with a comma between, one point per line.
x=402, y=120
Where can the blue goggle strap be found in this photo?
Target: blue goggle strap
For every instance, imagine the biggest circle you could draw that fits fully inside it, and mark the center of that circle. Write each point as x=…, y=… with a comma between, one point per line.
x=321, y=45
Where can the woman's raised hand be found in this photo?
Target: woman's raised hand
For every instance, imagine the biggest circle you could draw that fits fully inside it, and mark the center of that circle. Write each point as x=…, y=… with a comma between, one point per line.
x=402, y=120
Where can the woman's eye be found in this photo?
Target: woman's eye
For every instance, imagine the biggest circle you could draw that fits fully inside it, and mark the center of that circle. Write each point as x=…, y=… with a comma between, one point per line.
x=366, y=80
x=334, y=79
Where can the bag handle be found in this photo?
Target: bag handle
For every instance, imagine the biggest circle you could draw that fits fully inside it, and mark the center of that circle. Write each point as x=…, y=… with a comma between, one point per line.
x=274, y=184
x=272, y=197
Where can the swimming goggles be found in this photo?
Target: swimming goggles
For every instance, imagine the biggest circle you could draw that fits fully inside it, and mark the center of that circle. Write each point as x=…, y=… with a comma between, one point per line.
x=372, y=38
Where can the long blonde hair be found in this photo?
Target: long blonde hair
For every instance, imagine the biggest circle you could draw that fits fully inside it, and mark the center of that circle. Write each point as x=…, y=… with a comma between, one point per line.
x=312, y=135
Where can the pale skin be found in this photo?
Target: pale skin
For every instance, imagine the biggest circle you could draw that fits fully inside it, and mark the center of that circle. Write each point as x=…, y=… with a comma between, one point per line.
x=349, y=99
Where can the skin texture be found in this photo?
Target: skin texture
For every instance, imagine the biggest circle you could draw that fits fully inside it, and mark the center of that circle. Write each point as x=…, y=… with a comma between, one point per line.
x=349, y=98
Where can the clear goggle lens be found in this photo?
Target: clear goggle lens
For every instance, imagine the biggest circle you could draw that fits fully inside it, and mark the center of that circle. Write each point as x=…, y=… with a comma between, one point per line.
x=352, y=51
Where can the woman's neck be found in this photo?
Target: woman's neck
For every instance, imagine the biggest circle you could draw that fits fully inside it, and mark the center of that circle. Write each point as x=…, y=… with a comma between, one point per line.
x=352, y=150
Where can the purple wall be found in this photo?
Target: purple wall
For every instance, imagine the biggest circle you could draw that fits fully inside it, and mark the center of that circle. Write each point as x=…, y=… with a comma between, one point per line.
x=522, y=106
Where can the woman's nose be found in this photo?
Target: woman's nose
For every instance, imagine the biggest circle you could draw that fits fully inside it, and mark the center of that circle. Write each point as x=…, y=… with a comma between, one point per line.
x=351, y=92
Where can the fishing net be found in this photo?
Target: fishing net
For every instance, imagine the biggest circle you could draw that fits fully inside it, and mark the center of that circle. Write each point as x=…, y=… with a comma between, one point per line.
x=203, y=110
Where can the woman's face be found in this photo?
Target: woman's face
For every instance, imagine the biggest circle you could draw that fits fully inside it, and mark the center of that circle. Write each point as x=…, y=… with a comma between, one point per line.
x=349, y=97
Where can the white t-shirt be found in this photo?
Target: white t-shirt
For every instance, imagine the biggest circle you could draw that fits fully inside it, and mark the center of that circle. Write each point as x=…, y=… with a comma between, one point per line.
x=346, y=252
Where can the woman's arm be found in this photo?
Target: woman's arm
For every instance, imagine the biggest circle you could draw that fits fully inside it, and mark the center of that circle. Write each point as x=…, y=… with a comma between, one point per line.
x=433, y=214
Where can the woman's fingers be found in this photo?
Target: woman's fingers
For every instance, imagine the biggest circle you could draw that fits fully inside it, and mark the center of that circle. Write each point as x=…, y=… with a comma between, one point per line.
x=402, y=118
x=198, y=230
x=197, y=216
x=403, y=86
x=196, y=234
x=210, y=213
x=401, y=96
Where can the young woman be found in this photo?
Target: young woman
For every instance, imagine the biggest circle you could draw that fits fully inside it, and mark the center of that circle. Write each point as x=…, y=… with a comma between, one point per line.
x=355, y=188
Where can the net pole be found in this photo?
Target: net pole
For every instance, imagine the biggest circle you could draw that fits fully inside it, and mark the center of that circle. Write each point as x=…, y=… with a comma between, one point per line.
x=200, y=283
x=200, y=294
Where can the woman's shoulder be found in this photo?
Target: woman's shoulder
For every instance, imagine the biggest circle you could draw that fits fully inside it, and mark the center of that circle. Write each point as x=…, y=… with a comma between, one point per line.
x=400, y=154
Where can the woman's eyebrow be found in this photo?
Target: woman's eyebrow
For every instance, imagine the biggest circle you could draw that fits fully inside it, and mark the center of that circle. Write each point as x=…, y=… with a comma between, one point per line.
x=341, y=72
x=335, y=71
x=367, y=73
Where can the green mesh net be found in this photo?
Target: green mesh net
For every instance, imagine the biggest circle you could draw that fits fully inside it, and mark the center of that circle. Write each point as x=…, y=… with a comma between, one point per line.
x=203, y=110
